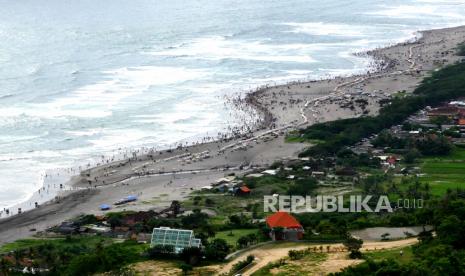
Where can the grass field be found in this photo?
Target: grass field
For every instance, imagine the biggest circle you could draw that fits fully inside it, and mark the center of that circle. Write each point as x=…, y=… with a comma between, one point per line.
x=394, y=254
x=447, y=172
x=236, y=234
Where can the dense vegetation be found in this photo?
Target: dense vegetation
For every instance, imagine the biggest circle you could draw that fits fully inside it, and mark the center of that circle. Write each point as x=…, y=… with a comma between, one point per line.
x=440, y=255
x=443, y=85
x=73, y=256
x=430, y=144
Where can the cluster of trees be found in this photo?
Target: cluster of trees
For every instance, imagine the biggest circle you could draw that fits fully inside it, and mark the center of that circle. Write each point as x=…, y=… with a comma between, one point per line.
x=74, y=257
x=240, y=221
x=214, y=251
x=348, y=158
x=302, y=187
x=102, y=259
x=247, y=240
x=353, y=245
x=443, y=254
x=443, y=85
x=427, y=145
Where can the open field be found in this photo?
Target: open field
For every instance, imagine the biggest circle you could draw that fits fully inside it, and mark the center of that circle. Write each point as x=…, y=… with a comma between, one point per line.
x=268, y=257
x=406, y=257
x=231, y=236
x=308, y=265
x=443, y=173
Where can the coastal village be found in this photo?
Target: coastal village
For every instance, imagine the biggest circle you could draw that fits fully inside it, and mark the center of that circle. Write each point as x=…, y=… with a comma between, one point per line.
x=198, y=210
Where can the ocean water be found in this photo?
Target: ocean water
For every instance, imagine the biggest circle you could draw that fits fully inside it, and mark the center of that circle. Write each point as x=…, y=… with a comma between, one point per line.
x=80, y=79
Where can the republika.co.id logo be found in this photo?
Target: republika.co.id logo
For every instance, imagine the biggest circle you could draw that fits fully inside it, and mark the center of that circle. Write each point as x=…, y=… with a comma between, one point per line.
x=331, y=204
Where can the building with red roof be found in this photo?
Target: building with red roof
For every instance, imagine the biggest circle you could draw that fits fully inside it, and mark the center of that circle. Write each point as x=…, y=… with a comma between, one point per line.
x=461, y=122
x=243, y=190
x=284, y=226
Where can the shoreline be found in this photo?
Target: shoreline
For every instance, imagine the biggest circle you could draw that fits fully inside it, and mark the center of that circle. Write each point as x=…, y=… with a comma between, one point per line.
x=251, y=100
x=292, y=105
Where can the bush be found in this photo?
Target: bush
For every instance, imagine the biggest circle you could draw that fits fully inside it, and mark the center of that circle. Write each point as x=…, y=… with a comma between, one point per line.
x=242, y=264
x=353, y=245
x=161, y=252
x=217, y=250
x=185, y=268
x=191, y=255
x=296, y=254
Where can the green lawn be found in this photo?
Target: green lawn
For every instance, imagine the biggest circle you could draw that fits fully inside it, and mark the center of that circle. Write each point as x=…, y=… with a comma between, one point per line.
x=447, y=172
x=236, y=234
x=392, y=254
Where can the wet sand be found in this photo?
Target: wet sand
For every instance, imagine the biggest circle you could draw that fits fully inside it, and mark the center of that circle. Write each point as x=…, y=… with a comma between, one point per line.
x=159, y=177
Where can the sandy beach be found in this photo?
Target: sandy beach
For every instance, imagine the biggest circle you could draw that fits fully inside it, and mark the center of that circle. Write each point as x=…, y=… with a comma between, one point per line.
x=157, y=178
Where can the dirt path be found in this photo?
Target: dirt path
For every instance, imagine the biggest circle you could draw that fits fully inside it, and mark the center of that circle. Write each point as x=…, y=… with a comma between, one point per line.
x=338, y=261
x=335, y=262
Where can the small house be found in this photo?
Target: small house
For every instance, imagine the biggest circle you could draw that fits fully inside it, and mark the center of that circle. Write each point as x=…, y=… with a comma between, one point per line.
x=243, y=190
x=284, y=226
x=270, y=172
x=318, y=175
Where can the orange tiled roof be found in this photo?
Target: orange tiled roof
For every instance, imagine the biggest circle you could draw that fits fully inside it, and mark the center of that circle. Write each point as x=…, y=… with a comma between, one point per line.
x=282, y=219
x=245, y=189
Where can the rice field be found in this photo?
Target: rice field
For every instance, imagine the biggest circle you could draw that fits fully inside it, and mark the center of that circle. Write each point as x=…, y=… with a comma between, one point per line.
x=443, y=173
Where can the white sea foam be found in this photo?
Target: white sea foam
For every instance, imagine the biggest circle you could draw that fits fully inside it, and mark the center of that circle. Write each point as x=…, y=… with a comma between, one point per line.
x=110, y=139
x=416, y=11
x=100, y=99
x=441, y=1
x=326, y=29
x=220, y=48
x=88, y=132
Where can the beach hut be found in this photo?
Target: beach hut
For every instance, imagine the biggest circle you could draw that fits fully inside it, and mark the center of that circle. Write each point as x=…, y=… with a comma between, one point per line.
x=283, y=226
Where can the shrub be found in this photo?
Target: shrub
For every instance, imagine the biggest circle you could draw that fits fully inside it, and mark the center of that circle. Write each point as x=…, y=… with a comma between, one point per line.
x=161, y=252
x=217, y=250
x=191, y=255
x=242, y=264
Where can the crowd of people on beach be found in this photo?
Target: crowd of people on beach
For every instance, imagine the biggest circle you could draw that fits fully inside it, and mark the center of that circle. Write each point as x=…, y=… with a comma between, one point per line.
x=254, y=114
